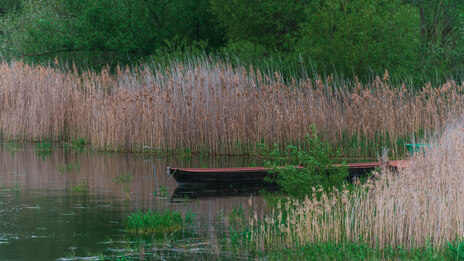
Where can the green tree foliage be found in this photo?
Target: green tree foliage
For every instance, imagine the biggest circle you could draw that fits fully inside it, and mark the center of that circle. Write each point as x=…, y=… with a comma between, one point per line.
x=8, y=5
x=273, y=24
x=359, y=36
x=104, y=31
x=355, y=37
x=442, y=34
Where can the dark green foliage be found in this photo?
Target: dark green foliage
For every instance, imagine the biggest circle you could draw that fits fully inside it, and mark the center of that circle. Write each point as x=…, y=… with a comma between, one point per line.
x=273, y=24
x=298, y=171
x=8, y=6
x=442, y=35
x=150, y=222
x=418, y=39
x=104, y=32
x=361, y=36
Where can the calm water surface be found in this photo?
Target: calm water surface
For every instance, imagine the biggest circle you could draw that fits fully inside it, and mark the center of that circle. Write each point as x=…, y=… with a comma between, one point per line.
x=52, y=211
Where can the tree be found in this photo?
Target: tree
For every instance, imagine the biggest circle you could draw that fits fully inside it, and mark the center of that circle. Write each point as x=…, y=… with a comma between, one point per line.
x=273, y=24
x=98, y=32
x=8, y=5
x=442, y=34
x=361, y=36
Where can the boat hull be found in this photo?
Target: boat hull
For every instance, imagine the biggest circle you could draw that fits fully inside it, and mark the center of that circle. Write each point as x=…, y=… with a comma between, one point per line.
x=257, y=175
x=220, y=175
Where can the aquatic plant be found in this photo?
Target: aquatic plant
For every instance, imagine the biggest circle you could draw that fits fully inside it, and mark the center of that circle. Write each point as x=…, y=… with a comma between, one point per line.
x=124, y=180
x=44, y=146
x=83, y=187
x=162, y=191
x=12, y=146
x=79, y=143
x=67, y=167
x=151, y=222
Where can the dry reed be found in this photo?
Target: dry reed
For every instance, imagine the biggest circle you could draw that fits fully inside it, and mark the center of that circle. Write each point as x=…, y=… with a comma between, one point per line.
x=421, y=205
x=209, y=107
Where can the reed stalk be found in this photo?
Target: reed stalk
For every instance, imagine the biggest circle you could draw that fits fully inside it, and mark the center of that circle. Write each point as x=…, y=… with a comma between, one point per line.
x=212, y=107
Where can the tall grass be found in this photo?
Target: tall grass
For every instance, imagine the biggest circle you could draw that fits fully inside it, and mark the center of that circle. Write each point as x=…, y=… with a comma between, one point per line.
x=420, y=206
x=215, y=108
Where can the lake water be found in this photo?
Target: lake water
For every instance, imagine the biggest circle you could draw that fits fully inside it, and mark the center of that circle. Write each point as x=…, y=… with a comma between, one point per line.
x=71, y=205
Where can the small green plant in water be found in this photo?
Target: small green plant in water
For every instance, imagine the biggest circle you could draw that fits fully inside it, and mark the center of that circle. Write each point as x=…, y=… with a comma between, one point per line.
x=12, y=146
x=79, y=143
x=68, y=167
x=162, y=192
x=81, y=187
x=124, y=180
x=43, y=146
x=237, y=216
x=151, y=222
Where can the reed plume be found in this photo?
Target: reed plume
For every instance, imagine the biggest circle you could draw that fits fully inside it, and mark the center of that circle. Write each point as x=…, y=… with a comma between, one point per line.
x=213, y=107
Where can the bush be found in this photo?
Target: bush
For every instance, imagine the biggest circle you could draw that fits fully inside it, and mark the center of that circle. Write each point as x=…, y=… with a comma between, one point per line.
x=297, y=171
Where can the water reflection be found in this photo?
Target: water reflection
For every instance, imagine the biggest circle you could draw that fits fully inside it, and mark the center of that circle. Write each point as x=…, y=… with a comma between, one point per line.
x=51, y=209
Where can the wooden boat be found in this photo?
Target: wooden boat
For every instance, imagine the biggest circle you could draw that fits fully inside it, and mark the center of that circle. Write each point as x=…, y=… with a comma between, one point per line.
x=214, y=190
x=256, y=175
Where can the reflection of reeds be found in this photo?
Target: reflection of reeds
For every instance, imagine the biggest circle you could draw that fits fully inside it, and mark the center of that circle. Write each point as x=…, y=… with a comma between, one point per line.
x=421, y=205
x=213, y=108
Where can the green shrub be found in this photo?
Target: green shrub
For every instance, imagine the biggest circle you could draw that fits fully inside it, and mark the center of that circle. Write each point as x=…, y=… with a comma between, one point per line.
x=297, y=171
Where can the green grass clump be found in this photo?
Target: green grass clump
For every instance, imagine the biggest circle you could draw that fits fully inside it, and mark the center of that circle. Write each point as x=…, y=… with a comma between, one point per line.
x=79, y=143
x=151, y=222
x=43, y=146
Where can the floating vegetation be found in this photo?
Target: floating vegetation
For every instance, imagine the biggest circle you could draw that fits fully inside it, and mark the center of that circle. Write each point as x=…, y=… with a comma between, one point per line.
x=79, y=143
x=151, y=222
x=68, y=167
x=124, y=180
x=44, y=146
x=162, y=191
x=12, y=146
x=81, y=187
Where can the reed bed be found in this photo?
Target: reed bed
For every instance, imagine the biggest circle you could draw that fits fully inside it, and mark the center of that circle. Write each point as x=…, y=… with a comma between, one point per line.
x=420, y=206
x=211, y=107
